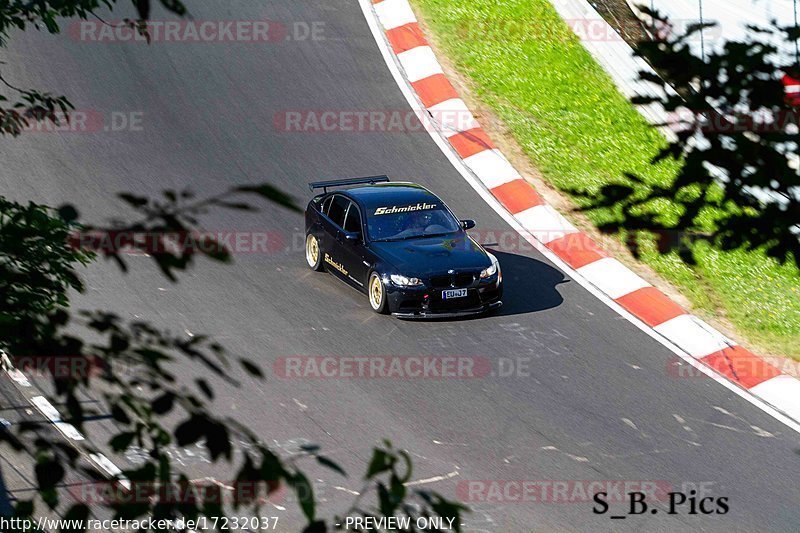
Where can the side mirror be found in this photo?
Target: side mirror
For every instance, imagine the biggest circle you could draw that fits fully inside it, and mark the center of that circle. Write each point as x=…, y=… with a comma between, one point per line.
x=352, y=236
x=467, y=224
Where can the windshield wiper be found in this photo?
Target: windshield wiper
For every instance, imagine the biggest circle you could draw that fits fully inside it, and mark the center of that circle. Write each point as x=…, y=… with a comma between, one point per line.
x=395, y=239
x=438, y=234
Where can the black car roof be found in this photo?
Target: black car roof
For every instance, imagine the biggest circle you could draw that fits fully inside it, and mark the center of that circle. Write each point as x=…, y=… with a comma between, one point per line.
x=391, y=194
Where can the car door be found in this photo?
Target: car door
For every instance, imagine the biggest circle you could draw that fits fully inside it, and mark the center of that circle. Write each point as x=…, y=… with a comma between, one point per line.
x=332, y=247
x=353, y=251
x=326, y=231
x=321, y=227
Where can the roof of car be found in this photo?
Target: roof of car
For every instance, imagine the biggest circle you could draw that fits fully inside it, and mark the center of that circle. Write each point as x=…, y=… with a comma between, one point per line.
x=396, y=193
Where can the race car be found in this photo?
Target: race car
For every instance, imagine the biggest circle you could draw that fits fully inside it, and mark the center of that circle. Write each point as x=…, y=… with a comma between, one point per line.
x=402, y=246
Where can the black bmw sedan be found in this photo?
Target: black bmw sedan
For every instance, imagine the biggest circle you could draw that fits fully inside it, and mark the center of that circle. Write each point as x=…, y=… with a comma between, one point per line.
x=402, y=246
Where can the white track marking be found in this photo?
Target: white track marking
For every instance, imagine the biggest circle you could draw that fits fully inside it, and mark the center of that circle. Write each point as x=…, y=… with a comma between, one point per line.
x=492, y=168
x=19, y=377
x=110, y=468
x=694, y=336
x=67, y=430
x=419, y=63
x=451, y=117
x=434, y=479
x=455, y=160
x=51, y=413
x=612, y=277
x=780, y=390
x=394, y=13
x=549, y=223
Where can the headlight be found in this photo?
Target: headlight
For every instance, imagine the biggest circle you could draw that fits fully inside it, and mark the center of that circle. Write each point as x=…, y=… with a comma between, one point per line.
x=492, y=270
x=404, y=281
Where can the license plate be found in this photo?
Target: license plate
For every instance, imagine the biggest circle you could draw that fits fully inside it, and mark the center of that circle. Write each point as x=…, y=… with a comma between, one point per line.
x=454, y=293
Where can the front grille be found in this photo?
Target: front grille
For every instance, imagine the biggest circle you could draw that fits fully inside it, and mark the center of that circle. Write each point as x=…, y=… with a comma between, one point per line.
x=463, y=280
x=440, y=282
x=457, y=280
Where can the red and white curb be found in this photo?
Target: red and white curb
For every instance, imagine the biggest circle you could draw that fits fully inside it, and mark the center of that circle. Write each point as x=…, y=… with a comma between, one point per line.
x=421, y=79
x=50, y=412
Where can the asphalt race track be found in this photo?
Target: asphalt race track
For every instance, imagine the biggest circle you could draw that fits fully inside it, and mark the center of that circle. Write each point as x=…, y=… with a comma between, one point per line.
x=593, y=400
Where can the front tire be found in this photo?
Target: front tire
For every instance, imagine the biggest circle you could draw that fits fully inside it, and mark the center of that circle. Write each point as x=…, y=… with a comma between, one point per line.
x=377, y=294
x=313, y=253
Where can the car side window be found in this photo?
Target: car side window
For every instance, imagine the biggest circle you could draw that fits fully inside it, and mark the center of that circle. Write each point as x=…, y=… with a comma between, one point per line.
x=326, y=205
x=338, y=209
x=352, y=222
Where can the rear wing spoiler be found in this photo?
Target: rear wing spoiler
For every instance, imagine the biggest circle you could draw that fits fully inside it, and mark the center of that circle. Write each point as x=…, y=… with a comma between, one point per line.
x=348, y=181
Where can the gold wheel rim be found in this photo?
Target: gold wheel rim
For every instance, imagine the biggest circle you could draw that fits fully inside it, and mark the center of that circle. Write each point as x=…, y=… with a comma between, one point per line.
x=312, y=250
x=375, y=292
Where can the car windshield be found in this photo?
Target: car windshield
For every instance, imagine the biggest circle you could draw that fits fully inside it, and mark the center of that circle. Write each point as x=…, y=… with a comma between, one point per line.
x=395, y=223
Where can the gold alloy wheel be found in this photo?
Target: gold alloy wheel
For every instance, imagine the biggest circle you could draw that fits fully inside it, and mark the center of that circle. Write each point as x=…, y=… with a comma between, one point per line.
x=312, y=251
x=375, y=292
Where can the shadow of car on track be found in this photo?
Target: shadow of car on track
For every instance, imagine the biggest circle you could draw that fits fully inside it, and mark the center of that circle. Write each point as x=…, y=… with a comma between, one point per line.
x=529, y=285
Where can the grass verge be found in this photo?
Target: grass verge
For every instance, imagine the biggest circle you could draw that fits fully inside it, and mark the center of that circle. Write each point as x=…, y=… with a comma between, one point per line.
x=522, y=62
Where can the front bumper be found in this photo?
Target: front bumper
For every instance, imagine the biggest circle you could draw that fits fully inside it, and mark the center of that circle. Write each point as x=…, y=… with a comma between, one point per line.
x=427, y=302
x=451, y=314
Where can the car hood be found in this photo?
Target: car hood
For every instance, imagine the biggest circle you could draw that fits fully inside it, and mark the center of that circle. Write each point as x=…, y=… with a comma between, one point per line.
x=433, y=255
